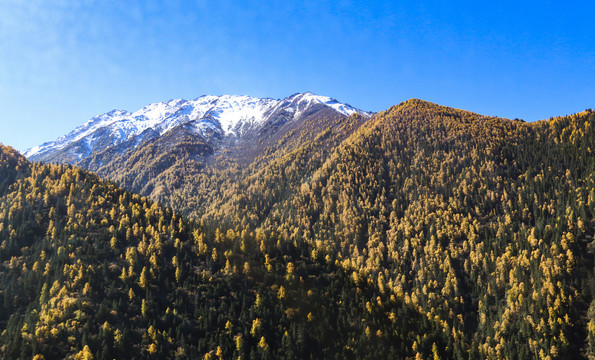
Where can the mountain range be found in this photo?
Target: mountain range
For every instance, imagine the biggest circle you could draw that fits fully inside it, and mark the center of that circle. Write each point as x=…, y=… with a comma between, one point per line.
x=422, y=231
x=209, y=118
x=179, y=138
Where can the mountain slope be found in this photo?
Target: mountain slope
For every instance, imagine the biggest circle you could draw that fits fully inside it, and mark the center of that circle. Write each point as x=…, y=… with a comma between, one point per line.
x=88, y=269
x=484, y=224
x=11, y=164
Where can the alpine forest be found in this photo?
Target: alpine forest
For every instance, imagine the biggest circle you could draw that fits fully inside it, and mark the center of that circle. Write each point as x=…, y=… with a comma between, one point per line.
x=420, y=232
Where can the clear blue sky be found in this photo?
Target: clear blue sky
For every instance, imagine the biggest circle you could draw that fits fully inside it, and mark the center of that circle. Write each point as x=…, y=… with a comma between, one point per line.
x=62, y=62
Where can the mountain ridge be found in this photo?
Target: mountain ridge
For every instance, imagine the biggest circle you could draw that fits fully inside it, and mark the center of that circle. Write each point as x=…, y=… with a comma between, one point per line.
x=219, y=116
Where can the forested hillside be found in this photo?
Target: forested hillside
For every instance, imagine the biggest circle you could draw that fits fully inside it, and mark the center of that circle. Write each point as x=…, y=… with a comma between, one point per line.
x=425, y=232
x=89, y=269
x=482, y=224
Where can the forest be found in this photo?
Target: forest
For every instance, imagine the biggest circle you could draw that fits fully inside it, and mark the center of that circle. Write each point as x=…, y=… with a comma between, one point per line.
x=426, y=232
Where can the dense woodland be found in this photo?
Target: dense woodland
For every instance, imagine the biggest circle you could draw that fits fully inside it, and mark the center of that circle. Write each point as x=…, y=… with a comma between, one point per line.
x=424, y=233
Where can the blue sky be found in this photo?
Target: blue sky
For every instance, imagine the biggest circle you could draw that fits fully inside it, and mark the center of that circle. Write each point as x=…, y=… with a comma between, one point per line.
x=63, y=62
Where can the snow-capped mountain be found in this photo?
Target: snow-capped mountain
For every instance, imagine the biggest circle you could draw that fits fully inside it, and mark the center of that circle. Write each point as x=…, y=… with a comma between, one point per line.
x=208, y=116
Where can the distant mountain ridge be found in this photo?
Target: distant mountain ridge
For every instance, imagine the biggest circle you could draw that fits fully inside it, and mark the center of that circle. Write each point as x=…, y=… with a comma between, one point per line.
x=208, y=117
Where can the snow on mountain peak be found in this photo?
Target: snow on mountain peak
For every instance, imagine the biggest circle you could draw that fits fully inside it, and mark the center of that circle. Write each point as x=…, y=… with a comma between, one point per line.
x=231, y=112
x=345, y=109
